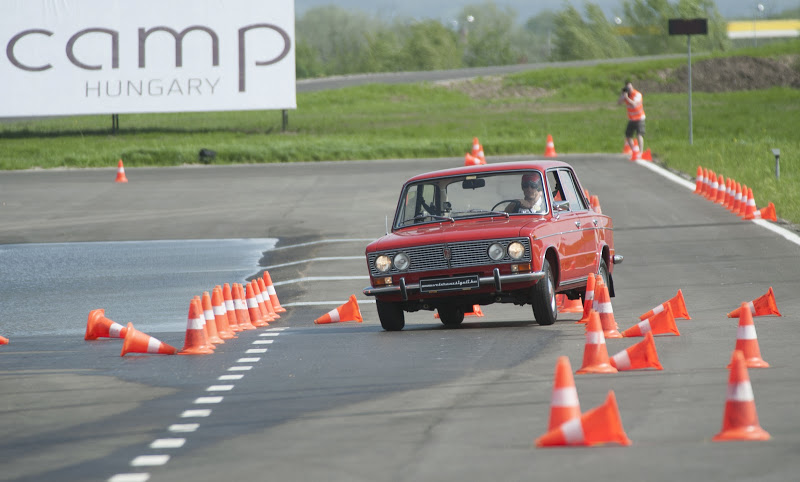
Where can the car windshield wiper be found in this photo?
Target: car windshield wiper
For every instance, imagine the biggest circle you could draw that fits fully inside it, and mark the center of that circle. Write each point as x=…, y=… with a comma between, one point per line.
x=480, y=212
x=420, y=217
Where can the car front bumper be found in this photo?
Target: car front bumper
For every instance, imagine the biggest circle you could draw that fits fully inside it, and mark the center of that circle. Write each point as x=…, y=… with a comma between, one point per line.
x=497, y=280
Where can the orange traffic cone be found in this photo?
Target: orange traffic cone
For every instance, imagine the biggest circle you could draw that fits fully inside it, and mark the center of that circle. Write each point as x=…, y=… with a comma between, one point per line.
x=346, y=312
x=647, y=155
x=230, y=309
x=740, y=421
x=711, y=185
x=571, y=306
x=762, y=306
x=262, y=290
x=3, y=340
x=99, y=326
x=626, y=149
x=120, y=173
x=273, y=296
x=750, y=207
x=736, y=207
x=742, y=211
x=138, y=342
x=678, y=305
x=599, y=425
x=240, y=308
x=659, y=324
x=595, y=203
x=476, y=311
x=470, y=160
x=641, y=355
x=636, y=154
x=195, y=341
x=698, y=181
x=550, y=148
x=767, y=213
x=606, y=312
x=730, y=194
x=719, y=198
x=595, y=353
x=588, y=299
x=221, y=315
x=564, y=405
x=477, y=151
x=211, y=321
x=256, y=317
x=747, y=340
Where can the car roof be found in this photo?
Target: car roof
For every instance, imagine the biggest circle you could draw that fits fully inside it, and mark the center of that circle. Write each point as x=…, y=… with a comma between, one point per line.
x=540, y=165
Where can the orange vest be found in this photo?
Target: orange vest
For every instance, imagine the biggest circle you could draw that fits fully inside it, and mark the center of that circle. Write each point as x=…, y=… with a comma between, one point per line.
x=636, y=113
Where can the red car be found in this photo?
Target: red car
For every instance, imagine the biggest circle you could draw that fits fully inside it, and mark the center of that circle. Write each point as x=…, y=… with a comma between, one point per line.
x=517, y=232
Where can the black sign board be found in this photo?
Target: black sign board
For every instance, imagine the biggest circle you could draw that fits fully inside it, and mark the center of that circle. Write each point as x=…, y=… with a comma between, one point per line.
x=688, y=26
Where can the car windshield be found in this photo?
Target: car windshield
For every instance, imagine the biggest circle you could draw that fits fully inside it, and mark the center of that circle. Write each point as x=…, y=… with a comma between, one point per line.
x=492, y=194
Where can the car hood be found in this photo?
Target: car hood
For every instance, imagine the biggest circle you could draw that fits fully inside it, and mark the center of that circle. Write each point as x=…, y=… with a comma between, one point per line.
x=462, y=230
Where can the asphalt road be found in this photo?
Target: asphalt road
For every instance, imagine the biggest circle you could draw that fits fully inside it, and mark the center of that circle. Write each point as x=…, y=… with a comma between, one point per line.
x=350, y=402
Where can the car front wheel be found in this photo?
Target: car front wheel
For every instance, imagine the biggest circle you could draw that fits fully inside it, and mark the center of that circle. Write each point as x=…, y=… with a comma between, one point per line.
x=544, y=297
x=451, y=315
x=391, y=315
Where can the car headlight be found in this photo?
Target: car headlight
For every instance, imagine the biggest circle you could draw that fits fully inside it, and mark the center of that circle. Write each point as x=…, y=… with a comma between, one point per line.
x=401, y=261
x=516, y=250
x=496, y=252
x=383, y=263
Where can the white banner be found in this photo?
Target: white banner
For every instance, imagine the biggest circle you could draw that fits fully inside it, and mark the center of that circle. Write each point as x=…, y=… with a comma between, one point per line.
x=66, y=57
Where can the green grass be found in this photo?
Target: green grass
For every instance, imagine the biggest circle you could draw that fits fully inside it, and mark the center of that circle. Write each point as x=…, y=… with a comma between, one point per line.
x=733, y=132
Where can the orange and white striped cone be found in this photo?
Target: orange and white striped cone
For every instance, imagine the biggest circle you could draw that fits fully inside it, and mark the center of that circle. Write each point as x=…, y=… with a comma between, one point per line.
x=750, y=208
x=240, y=308
x=588, y=299
x=273, y=296
x=265, y=313
x=3, y=340
x=230, y=310
x=477, y=151
x=713, y=186
x=138, y=342
x=659, y=324
x=595, y=353
x=195, y=342
x=564, y=404
x=740, y=421
x=698, y=181
x=639, y=356
x=550, y=147
x=470, y=160
x=764, y=305
x=737, y=199
x=346, y=312
x=742, y=211
x=747, y=340
x=197, y=300
x=476, y=311
x=599, y=425
x=262, y=291
x=256, y=317
x=606, y=312
x=719, y=197
x=636, y=154
x=647, y=155
x=571, y=306
x=706, y=183
x=98, y=326
x=626, y=149
x=220, y=315
x=120, y=173
x=767, y=213
x=211, y=320
x=678, y=305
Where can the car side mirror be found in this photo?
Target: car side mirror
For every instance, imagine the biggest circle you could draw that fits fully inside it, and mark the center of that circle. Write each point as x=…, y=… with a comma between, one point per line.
x=561, y=206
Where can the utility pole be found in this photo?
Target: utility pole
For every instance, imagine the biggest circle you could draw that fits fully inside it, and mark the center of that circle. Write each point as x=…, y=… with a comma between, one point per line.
x=689, y=27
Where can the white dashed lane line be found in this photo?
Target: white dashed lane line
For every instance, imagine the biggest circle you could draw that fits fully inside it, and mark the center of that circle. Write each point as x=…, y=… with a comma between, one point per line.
x=245, y=364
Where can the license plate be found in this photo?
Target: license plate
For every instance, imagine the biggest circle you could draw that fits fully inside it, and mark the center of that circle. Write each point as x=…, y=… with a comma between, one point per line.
x=460, y=283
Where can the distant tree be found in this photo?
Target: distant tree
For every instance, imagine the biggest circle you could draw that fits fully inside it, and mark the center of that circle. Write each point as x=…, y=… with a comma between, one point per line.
x=338, y=36
x=307, y=62
x=487, y=39
x=429, y=45
x=538, y=38
x=591, y=38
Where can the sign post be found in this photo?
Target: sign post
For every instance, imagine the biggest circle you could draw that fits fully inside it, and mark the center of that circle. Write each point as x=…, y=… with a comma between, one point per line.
x=689, y=27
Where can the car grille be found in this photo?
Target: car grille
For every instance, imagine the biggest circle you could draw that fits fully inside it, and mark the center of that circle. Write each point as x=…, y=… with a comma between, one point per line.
x=462, y=254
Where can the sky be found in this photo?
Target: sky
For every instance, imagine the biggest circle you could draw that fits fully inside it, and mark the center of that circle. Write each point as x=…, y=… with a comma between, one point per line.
x=448, y=9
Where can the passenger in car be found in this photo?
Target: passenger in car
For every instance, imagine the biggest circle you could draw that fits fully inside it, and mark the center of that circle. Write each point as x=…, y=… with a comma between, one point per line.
x=533, y=197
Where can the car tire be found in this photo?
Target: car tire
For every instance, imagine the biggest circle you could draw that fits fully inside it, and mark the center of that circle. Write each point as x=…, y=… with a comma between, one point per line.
x=543, y=296
x=451, y=315
x=602, y=271
x=391, y=315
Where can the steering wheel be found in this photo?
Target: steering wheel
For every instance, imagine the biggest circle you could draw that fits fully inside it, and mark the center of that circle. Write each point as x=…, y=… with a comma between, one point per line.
x=509, y=201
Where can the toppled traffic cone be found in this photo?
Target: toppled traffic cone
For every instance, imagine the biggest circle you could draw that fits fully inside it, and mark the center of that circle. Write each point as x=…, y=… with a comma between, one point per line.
x=595, y=353
x=740, y=421
x=747, y=340
x=550, y=148
x=762, y=306
x=678, y=305
x=647, y=155
x=659, y=324
x=599, y=425
x=588, y=299
x=639, y=356
x=120, y=173
x=138, y=342
x=564, y=405
x=97, y=326
x=470, y=160
x=346, y=312
x=273, y=296
x=195, y=341
x=476, y=311
x=767, y=213
x=3, y=340
x=606, y=312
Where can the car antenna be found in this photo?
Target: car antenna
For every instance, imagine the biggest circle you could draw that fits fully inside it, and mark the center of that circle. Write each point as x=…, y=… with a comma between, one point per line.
x=386, y=221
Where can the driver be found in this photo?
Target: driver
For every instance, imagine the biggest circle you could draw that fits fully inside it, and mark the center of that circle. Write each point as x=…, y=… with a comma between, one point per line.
x=533, y=196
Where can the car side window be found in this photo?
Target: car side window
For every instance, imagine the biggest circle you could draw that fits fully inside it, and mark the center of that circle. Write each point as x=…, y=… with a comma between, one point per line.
x=569, y=190
x=554, y=184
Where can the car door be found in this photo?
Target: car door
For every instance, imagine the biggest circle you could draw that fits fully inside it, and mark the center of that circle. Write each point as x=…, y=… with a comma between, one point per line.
x=578, y=238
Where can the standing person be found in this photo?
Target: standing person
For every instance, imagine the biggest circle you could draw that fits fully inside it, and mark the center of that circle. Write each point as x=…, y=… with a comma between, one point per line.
x=632, y=99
